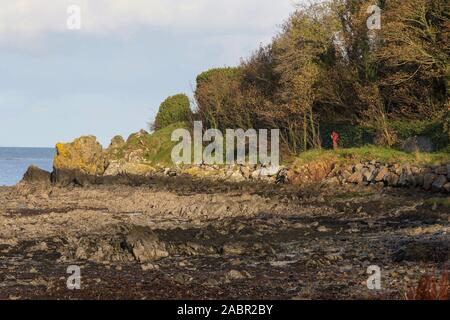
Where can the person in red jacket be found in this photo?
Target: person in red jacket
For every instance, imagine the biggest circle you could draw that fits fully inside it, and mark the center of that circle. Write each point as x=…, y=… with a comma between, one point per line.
x=335, y=138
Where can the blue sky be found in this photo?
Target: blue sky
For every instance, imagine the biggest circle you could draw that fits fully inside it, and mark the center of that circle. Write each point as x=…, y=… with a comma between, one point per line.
x=110, y=77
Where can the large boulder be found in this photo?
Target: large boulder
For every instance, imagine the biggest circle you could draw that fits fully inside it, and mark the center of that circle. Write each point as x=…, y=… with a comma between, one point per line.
x=418, y=144
x=36, y=175
x=79, y=161
x=85, y=154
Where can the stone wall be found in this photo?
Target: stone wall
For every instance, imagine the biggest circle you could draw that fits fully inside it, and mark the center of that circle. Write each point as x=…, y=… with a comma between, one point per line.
x=434, y=178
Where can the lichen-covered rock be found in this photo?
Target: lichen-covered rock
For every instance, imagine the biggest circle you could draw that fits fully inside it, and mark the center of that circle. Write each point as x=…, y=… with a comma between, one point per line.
x=236, y=177
x=84, y=154
x=203, y=172
x=117, y=142
x=136, y=147
x=121, y=167
x=115, y=149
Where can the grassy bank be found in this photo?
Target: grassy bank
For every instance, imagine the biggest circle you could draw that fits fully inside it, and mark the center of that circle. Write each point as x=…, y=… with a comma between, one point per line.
x=369, y=153
x=157, y=148
x=438, y=202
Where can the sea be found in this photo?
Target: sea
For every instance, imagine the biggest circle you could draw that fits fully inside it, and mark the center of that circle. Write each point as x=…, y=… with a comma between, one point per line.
x=14, y=162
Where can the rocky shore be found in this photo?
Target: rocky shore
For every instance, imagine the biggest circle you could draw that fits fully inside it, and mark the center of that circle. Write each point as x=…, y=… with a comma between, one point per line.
x=177, y=237
x=142, y=231
x=85, y=162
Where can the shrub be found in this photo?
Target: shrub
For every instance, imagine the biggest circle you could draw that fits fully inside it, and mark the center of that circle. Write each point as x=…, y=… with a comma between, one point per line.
x=435, y=130
x=219, y=98
x=430, y=287
x=208, y=76
x=174, y=109
x=350, y=136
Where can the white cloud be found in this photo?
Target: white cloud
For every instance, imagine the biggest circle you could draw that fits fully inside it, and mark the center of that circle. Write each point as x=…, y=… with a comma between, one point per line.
x=25, y=21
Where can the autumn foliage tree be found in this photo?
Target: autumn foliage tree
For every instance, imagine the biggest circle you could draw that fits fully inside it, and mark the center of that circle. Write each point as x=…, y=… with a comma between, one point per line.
x=326, y=67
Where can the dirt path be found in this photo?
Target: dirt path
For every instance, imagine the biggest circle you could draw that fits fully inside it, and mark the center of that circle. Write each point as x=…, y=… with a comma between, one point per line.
x=192, y=239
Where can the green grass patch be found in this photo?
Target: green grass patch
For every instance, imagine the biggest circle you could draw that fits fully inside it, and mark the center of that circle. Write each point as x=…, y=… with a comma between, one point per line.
x=369, y=153
x=159, y=144
x=440, y=202
x=156, y=147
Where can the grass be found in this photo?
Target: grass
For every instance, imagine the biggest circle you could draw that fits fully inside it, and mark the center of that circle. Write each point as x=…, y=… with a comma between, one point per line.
x=439, y=202
x=368, y=153
x=160, y=144
x=157, y=146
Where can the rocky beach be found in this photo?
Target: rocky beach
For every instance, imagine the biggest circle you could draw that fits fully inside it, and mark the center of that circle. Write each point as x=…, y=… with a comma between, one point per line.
x=184, y=237
x=287, y=150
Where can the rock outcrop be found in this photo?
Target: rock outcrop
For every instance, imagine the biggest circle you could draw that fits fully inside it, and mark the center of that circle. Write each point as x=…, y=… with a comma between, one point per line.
x=79, y=161
x=115, y=149
x=37, y=175
x=84, y=154
x=84, y=162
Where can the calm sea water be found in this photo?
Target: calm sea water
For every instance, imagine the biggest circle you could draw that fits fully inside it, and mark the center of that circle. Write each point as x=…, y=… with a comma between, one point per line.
x=14, y=162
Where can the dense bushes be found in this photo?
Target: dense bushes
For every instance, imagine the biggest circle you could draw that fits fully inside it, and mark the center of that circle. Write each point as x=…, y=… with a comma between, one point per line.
x=350, y=136
x=174, y=109
x=428, y=128
x=219, y=99
x=326, y=71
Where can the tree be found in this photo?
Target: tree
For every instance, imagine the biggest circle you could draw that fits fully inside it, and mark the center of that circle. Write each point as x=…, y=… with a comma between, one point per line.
x=301, y=53
x=327, y=67
x=174, y=109
x=220, y=100
x=414, y=56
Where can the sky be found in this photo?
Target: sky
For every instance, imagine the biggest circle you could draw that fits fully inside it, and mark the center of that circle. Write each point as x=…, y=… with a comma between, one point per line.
x=110, y=76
